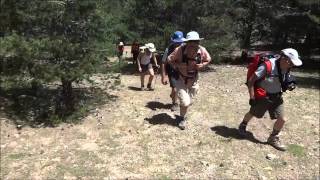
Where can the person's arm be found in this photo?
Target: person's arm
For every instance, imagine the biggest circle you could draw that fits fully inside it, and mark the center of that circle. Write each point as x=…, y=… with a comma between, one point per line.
x=138, y=62
x=206, y=59
x=251, y=82
x=155, y=60
x=163, y=62
x=163, y=68
x=258, y=74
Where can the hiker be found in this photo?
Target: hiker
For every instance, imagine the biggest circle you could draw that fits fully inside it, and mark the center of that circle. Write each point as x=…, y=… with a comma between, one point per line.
x=187, y=60
x=135, y=50
x=168, y=72
x=265, y=86
x=144, y=64
x=120, y=50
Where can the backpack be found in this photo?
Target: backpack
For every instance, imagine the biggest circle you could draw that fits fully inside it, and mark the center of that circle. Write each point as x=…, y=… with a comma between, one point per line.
x=169, y=69
x=257, y=61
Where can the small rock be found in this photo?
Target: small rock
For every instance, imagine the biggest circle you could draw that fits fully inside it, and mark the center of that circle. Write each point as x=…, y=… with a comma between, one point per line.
x=268, y=168
x=204, y=163
x=271, y=156
x=221, y=165
x=19, y=126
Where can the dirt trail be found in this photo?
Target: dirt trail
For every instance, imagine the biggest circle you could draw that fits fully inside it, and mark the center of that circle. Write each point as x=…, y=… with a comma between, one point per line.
x=137, y=137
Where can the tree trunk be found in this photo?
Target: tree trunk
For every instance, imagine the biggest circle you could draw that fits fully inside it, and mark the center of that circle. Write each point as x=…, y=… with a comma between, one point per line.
x=65, y=102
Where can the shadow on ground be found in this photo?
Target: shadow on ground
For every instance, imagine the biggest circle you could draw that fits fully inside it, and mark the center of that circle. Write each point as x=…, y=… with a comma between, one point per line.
x=308, y=82
x=157, y=105
x=27, y=107
x=233, y=133
x=163, y=118
x=134, y=88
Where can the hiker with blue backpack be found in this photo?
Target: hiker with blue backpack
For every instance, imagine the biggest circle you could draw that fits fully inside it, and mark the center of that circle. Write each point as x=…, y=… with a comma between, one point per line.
x=267, y=78
x=167, y=71
x=187, y=60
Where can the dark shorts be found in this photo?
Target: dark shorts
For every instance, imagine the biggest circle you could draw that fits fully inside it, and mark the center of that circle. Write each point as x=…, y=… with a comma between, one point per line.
x=272, y=103
x=146, y=67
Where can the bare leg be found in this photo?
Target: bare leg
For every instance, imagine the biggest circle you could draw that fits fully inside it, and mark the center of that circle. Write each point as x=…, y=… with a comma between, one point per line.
x=278, y=125
x=142, y=79
x=274, y=139
x=183, y=110
x=243, y=125
x=247, y=117
x=151, y=73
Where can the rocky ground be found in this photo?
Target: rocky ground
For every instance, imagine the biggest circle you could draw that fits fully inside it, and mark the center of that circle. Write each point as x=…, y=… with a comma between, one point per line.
x=136, y=136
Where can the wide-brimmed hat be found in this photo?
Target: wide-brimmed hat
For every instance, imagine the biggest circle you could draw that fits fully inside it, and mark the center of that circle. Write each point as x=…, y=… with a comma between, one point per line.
x=121, y=44
x=293, y=55
x=193, y=36
x=150, y=46
x=177, y=37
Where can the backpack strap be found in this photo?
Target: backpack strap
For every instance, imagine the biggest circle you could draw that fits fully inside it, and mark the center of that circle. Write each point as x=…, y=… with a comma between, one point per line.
x=268, y=66
x=184, y=55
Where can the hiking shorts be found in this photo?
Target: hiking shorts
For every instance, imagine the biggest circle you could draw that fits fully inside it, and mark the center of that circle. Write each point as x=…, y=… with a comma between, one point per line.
x=186, y=94
x=272, y=103
x=146, y=67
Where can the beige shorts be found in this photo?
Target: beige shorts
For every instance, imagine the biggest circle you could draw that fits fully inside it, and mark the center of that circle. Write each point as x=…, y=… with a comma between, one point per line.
x=186, y=93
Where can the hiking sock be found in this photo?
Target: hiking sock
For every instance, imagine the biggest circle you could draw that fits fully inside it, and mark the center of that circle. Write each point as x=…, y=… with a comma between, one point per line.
x=275, y=132
x=243, y=124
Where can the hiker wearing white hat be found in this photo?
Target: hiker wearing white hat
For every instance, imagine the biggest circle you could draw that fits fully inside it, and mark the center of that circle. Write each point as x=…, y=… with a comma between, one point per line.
x=188, y=59
x=120, y=50
x=272, y=77
x=145, y=65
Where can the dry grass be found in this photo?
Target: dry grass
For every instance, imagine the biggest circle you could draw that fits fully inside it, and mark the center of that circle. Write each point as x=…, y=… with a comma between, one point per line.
x=127, y=139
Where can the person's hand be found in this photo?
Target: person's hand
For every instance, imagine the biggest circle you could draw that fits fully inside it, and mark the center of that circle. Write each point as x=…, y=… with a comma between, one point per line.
x=164, y=80
x=157, y=66
x=252, y=102
x=140, y=69
x=199, y=66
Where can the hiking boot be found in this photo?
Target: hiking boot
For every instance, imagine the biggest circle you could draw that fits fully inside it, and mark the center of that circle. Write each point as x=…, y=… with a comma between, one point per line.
x=242, y=130
x=149, y=87
x=182, y=122
x=274, y=141
x=174, y=107
x=142, y=88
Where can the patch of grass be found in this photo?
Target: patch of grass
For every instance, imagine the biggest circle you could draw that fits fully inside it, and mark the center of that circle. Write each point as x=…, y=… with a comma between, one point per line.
x=296, y=150
x=17, y=156
x=163, y=177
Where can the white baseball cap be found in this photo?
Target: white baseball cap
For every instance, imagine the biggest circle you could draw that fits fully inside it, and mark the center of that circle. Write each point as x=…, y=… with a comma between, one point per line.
x=193, y=36
x=293, y=55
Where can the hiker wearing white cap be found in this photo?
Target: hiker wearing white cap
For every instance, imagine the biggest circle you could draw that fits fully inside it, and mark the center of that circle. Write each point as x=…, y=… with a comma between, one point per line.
x=120, y=50
x=167, y=71
x=271, y=77
x=145, y=65
x=187, y=60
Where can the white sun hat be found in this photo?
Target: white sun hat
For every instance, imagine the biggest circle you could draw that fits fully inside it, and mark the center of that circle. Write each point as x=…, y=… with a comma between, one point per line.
x=150, y=46
x=293, y=55
x=121, y=44
x=193, y=36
